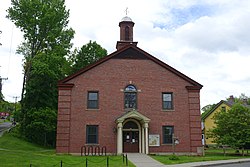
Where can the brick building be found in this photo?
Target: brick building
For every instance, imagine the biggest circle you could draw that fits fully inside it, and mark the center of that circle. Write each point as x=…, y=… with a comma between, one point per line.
x=129, y=101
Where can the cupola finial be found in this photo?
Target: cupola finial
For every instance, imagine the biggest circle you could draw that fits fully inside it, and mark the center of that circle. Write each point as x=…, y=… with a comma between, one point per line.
x=126, y=11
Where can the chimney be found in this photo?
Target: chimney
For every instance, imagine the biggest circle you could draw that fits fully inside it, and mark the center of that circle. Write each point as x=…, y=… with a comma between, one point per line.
x=244, y=101
x=231, y=99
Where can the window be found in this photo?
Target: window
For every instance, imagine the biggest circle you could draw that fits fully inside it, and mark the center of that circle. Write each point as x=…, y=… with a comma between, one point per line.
x=223, y=108
x=92, y=100
x=167, y=134
x=126, y=33
x=130, y=125
x=167, y=101
x=130, y=97
x=92, y=134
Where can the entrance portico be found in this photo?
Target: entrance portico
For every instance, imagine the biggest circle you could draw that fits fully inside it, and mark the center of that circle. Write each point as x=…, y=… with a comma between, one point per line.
x=132, y=133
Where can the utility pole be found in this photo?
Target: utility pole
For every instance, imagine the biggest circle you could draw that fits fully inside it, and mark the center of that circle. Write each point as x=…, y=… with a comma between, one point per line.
x=15, y=97
x=1, y=79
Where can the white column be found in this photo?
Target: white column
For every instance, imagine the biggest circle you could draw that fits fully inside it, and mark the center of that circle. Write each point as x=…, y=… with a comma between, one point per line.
x=119, y=138
x=146, y=137
x=143, y=140
x=140, y=141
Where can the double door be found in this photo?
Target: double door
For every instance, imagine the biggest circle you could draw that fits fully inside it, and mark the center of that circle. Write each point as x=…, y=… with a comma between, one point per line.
x=131, y=141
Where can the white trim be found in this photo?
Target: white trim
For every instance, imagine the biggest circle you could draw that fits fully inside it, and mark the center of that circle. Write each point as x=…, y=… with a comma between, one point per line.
x=119, y=138
x=143, y=141
x=142, y=123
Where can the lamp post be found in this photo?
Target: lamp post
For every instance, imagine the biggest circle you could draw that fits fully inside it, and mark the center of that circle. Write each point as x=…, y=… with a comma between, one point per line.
x=175, y=141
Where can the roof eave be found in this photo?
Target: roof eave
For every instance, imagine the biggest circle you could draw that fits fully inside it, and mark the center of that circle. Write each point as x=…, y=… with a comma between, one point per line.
x=217, y=105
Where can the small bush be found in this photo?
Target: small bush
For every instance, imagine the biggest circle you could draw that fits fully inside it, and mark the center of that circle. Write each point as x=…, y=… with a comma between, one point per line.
x=174, y=157
x=15, y=131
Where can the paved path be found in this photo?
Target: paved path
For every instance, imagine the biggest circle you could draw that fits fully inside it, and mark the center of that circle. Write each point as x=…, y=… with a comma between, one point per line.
x=143, y=160
x=211, y=163
x=4, y=126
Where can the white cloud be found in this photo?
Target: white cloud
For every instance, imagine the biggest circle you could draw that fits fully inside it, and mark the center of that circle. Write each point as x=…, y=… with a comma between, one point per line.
x=207, y=40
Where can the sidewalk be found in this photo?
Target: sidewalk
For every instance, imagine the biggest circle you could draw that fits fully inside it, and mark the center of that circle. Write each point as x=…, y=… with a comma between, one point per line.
x=210, y=163
x=4, y=126
x=143, y=160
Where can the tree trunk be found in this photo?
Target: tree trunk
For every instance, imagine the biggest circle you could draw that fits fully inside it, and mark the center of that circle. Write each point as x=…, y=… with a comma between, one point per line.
x=24, y=80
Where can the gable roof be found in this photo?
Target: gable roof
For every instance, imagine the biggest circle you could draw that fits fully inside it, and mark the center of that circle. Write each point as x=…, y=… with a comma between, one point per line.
x=132, y=52
x=133, y=114
x=215, y=107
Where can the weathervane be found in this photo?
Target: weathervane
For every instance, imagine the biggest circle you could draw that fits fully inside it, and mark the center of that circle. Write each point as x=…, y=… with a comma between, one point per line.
x=126, y=11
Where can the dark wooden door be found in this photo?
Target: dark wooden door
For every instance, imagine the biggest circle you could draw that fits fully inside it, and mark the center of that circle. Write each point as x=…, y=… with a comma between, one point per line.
x=131, y=141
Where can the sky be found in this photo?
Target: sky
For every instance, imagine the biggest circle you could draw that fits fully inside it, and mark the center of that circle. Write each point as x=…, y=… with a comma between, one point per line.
x=207, y=40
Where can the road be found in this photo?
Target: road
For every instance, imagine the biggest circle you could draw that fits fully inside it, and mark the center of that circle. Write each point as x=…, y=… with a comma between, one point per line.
x=243, y=164
x=4, y=126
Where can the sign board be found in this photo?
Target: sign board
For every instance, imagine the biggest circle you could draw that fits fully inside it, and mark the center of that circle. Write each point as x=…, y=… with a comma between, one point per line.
x=154, y=140
x=4, y=114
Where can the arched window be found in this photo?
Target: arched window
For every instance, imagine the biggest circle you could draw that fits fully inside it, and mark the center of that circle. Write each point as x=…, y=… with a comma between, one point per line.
x=130, y=97
x=127, y=33
x=130, y=125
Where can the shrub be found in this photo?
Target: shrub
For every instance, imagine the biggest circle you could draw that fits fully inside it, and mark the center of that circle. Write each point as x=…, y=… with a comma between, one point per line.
x=174, y=157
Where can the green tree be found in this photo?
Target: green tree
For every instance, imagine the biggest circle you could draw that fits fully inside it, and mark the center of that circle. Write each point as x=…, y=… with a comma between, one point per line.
x=232, y=127
x=41, y=90
x=243, y=99
x=44, y=125
x=6, y=106
x=45, y=48
x=88, y=54
x=206, y=109
x=17, y=112
x=43, y=23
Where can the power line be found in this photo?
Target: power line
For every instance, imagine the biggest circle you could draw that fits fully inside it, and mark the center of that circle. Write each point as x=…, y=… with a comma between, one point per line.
x=10, y=50
x=15, y=97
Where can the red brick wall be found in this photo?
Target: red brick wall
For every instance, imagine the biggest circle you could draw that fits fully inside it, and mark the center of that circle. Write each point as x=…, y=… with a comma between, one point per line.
x=122, y=30
x=195, y=120
x=109, y=78
x=63, y=121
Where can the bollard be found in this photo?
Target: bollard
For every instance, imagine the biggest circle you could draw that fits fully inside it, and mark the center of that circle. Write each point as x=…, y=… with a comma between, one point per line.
x=61, y=163
x=126, y=160
x=107, y=161
x=86, y=162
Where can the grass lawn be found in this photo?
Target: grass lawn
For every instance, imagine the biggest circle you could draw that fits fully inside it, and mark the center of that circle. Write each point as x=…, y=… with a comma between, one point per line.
x=211, y=155
x=16, y=152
